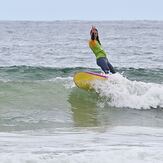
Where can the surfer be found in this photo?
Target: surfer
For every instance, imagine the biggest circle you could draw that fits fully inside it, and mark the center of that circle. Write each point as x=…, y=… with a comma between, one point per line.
x=100, y=54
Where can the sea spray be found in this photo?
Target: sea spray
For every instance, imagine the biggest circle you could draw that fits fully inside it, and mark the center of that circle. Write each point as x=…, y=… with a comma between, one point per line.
x=122, y=92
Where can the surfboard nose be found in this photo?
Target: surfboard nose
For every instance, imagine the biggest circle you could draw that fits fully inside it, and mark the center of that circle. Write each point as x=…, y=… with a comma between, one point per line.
x=84, y=80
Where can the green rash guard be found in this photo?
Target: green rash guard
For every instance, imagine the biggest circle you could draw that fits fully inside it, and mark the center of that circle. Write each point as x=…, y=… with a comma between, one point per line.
x=97, y=49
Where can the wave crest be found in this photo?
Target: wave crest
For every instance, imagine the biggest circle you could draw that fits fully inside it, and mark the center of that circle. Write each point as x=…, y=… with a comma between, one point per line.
x=121, y=92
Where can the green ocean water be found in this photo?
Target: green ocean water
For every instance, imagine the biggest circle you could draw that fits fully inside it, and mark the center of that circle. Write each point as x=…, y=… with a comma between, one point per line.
x=37, y=97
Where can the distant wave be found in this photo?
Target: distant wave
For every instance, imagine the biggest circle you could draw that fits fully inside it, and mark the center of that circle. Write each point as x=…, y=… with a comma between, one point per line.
x=45, y=73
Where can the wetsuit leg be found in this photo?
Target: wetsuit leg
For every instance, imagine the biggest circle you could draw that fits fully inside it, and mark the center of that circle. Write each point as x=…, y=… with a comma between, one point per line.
x=105, y=65
x=102, y=62
x=110, y=67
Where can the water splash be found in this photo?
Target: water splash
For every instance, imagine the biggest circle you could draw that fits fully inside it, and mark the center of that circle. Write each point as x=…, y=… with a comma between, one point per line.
x=121, y=92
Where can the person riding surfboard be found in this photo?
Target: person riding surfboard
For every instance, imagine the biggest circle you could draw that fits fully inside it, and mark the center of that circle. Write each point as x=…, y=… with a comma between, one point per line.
x=101, y=56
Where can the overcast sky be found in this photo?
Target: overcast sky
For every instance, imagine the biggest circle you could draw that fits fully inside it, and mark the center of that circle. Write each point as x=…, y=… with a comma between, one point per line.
x=81, y=9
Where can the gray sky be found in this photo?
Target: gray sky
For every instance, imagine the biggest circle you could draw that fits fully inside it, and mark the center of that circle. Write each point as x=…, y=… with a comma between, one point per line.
x=81, y=9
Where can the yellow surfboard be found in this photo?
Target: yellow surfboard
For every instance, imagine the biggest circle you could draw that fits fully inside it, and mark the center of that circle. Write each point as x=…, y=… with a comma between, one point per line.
x=84, y=79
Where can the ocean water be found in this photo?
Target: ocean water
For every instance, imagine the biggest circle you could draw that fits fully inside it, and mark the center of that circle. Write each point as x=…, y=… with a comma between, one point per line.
x=45, y=118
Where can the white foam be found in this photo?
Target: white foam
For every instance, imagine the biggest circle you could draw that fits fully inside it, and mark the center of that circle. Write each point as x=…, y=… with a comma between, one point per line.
x=118, y=156
x=121, y=92
x=115, y=144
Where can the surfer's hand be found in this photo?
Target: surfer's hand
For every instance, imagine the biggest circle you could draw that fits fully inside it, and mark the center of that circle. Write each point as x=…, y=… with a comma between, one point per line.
x=94, y=28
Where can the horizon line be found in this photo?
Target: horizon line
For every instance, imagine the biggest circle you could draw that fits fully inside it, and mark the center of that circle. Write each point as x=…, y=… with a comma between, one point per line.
x=80, y=20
